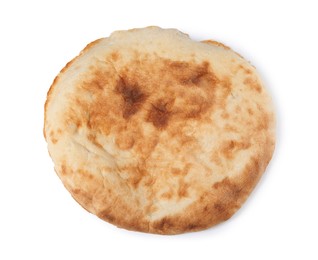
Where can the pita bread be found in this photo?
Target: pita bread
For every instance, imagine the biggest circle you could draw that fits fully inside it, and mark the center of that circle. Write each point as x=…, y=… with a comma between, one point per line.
x=154, y=132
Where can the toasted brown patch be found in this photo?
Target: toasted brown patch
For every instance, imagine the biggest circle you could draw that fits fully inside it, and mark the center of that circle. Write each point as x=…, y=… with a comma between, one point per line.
x=182, y=172
x=253, y=84
x=229, y=187
x=98, y=82
x=189, y=75
x=246, y=70
x=163, y=224
x=265, y=121
x=231, y=128
x=229, y=148
x=198, y=106
x=250, y=111
x=125, y=142
x=160, y=113
x=132, y=96
x=225, y=87
x=115, y=55
x=53, y=137
x=85, y=174
x=64, y=170
x=225, y=115
x=92, y=138
x=183, y=188
x=150, y=209
x=167, y=195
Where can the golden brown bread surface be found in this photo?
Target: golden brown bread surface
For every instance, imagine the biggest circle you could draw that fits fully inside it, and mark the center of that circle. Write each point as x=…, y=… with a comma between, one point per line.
x=155, y=132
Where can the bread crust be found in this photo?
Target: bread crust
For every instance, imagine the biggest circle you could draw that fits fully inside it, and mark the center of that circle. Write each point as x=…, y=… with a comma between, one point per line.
x=154, y=132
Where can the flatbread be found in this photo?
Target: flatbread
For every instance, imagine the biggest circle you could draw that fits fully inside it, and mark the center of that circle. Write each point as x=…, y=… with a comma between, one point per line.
x=154, y=132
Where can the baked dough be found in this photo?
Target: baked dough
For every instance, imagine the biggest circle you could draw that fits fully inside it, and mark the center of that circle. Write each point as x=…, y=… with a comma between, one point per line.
x=155, y=132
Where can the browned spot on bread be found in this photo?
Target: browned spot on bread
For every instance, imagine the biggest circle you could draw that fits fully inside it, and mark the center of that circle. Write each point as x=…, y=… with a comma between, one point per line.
x=250, y=111
x=163, y=224
x=167, y=195
x=181, y=172
x=125, y=142
x=73, y=117
x=175, y=224
x=176, y=171
x=227, y=186
x=231, y=128
x=136, y=175
x=183, y=188
x=192, y=227
x=150, y=209
x=149, y=181
x=253, y=84
x=197, y=106
x=53, y=137
x=63, y=169
x=97, y=82
x=114, y=55
x=231, y=147
x=225, y=89
x=83, y=196
x=216, y=158
x=160, y=113
x=221, y=211
x=107, y=216
x=225, y=115
x=189, y=75
x=85, y=174
x=110, y=214
x=245, y=69
x=132, y=96
x=92, y=138
x=263, y=124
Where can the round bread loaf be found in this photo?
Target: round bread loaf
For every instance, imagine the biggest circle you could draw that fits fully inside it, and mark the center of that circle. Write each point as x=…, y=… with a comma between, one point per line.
x=154, y=132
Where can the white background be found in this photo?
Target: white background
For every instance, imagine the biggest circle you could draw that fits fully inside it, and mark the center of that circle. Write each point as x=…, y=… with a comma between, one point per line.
x=38, y=217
